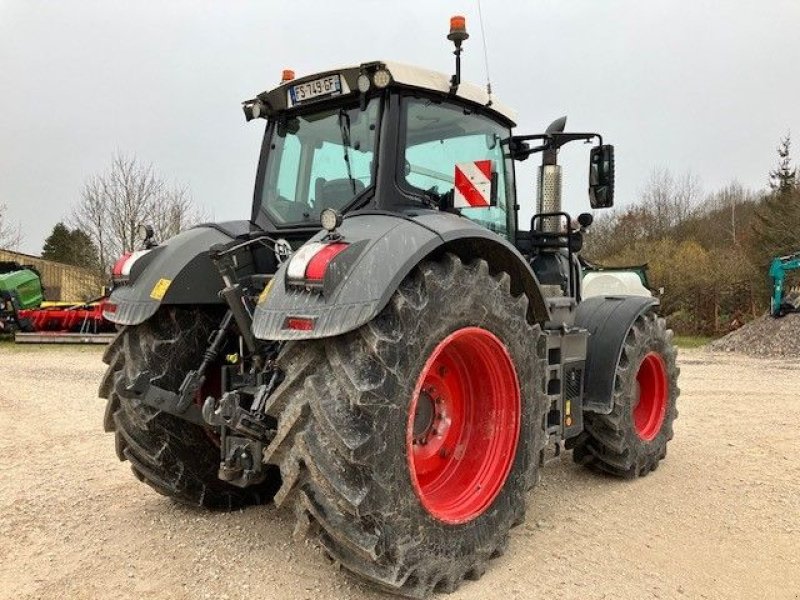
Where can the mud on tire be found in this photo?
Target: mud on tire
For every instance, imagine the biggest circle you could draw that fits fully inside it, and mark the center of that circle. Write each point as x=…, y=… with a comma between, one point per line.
x=175, y=457
x=611, y=443
x=341, y=440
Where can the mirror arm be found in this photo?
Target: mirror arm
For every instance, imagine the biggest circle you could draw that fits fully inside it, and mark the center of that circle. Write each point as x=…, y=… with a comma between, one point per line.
x=552, y=141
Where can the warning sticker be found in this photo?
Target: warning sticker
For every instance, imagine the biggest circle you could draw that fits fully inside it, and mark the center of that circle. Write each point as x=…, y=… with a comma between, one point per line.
x=160, y=289
x=473, y=184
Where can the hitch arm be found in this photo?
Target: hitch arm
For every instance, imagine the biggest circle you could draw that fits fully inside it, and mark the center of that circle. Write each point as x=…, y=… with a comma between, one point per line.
x=180, y=404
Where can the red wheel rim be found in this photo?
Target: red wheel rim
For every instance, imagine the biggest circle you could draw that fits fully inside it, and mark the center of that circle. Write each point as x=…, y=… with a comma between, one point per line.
x=463, y=425
x=649, y=411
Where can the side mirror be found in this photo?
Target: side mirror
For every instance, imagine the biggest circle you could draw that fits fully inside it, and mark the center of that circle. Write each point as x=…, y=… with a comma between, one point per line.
x=601, y=176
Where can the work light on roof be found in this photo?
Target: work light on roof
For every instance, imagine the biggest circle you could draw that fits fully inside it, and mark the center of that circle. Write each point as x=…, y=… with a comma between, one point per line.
x=381, y=78
x=363, y=83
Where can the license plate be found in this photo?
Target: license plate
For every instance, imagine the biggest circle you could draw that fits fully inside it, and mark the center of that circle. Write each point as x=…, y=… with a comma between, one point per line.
x=324, y=86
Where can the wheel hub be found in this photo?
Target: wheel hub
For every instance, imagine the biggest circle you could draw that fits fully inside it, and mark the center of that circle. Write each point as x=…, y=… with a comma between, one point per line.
x=423, y=418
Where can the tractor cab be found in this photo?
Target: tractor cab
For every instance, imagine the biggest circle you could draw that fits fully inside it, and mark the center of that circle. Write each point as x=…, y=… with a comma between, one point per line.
x=384, y=136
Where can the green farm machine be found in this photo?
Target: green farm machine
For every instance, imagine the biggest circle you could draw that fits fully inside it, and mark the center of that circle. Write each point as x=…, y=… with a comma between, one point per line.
x=20, y=290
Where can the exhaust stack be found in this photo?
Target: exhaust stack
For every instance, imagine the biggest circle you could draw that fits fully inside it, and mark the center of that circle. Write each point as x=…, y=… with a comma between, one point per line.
x=548, y=196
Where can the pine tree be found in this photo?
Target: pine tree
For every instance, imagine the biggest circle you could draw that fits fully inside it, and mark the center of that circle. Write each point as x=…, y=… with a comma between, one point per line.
x=784, y=179
x=776, y=228
x=72, y=247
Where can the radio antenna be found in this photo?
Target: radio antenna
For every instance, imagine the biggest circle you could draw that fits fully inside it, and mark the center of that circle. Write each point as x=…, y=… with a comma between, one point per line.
x=485, y=56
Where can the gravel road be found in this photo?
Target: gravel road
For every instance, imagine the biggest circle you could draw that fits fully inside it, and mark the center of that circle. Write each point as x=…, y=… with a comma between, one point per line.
x=719, y=519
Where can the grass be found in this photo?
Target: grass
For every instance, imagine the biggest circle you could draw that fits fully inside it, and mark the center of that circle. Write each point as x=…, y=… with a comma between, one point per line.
x=691, y=341
x=7, y=346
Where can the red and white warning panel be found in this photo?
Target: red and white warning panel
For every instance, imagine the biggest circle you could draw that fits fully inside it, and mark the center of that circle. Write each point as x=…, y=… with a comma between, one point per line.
x=473, y=187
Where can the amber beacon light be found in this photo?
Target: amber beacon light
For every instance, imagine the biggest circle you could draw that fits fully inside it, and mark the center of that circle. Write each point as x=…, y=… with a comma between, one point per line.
x=458, y=29
x=458, y=33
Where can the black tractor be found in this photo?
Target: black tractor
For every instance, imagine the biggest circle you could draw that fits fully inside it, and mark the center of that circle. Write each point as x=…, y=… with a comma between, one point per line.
x=382, y=346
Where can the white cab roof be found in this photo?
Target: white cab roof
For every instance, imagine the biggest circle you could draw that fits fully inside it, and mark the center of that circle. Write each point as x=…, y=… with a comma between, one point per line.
x=428, y=80
x=439, y=82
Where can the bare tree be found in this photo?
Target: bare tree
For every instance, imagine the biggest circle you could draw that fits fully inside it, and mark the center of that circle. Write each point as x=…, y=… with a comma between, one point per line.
x=669, y=201
x=730, y=200
x=10, y=236
x=129, y=194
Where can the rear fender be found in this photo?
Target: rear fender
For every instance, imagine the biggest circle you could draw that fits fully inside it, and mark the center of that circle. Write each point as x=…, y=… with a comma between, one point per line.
x=180, y=271
x=384, y=249
x=608, y=320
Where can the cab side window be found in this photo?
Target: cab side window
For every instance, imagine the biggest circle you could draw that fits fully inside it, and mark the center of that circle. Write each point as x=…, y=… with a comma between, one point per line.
x=439, y=138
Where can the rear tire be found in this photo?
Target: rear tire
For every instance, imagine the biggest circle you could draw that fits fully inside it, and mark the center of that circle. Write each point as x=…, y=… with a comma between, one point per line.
x=344, y=440
x=175, y=457
x=631, y=440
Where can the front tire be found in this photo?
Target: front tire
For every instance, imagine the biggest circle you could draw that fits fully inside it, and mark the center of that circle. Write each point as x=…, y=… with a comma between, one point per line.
x=351, y=428
x=632, y=440
x=175, y=457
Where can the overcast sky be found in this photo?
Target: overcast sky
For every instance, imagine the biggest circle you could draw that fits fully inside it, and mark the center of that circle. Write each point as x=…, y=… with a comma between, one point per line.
x=683, y=84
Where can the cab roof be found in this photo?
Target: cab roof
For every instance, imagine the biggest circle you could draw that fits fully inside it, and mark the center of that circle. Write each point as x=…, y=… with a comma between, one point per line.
x=402, y=75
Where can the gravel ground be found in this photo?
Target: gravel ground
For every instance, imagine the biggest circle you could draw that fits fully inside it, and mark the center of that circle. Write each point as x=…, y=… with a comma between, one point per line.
x=765, y=337
x=719, y=519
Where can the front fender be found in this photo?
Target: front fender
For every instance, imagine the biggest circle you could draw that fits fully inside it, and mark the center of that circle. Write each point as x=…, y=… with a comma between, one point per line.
x=384, y=248
x=179, y=271
x=608, y=320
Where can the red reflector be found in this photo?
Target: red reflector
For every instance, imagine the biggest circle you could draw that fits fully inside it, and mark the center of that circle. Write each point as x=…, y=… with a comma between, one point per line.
x=120, y=264
x=109, y=307
x=299, y=323
x=315, y=270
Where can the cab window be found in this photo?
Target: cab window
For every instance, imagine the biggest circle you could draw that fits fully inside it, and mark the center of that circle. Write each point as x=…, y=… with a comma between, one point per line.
x=441, y=138
x=319, y=160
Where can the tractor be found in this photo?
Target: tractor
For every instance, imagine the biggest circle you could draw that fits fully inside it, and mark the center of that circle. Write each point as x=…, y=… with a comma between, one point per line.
x=383, y=347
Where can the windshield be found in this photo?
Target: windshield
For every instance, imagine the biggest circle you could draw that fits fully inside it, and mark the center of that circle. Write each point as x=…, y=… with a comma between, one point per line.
x=317, y=161
x=444, y=141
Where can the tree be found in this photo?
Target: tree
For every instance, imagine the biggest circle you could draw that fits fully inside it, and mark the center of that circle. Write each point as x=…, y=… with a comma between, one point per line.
x=784, y=178
x=725, y=217
x=776, y=227
x=667, y=204
x=668, y=201
x=696, y=249
x=72, y=247
x=114, y=204
x=10, y=236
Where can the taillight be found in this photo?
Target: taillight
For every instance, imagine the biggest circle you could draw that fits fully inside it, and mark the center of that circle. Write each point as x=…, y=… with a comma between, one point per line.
x=299, y=323
x=116, y=272
x=309, y=263
x=122, y=268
